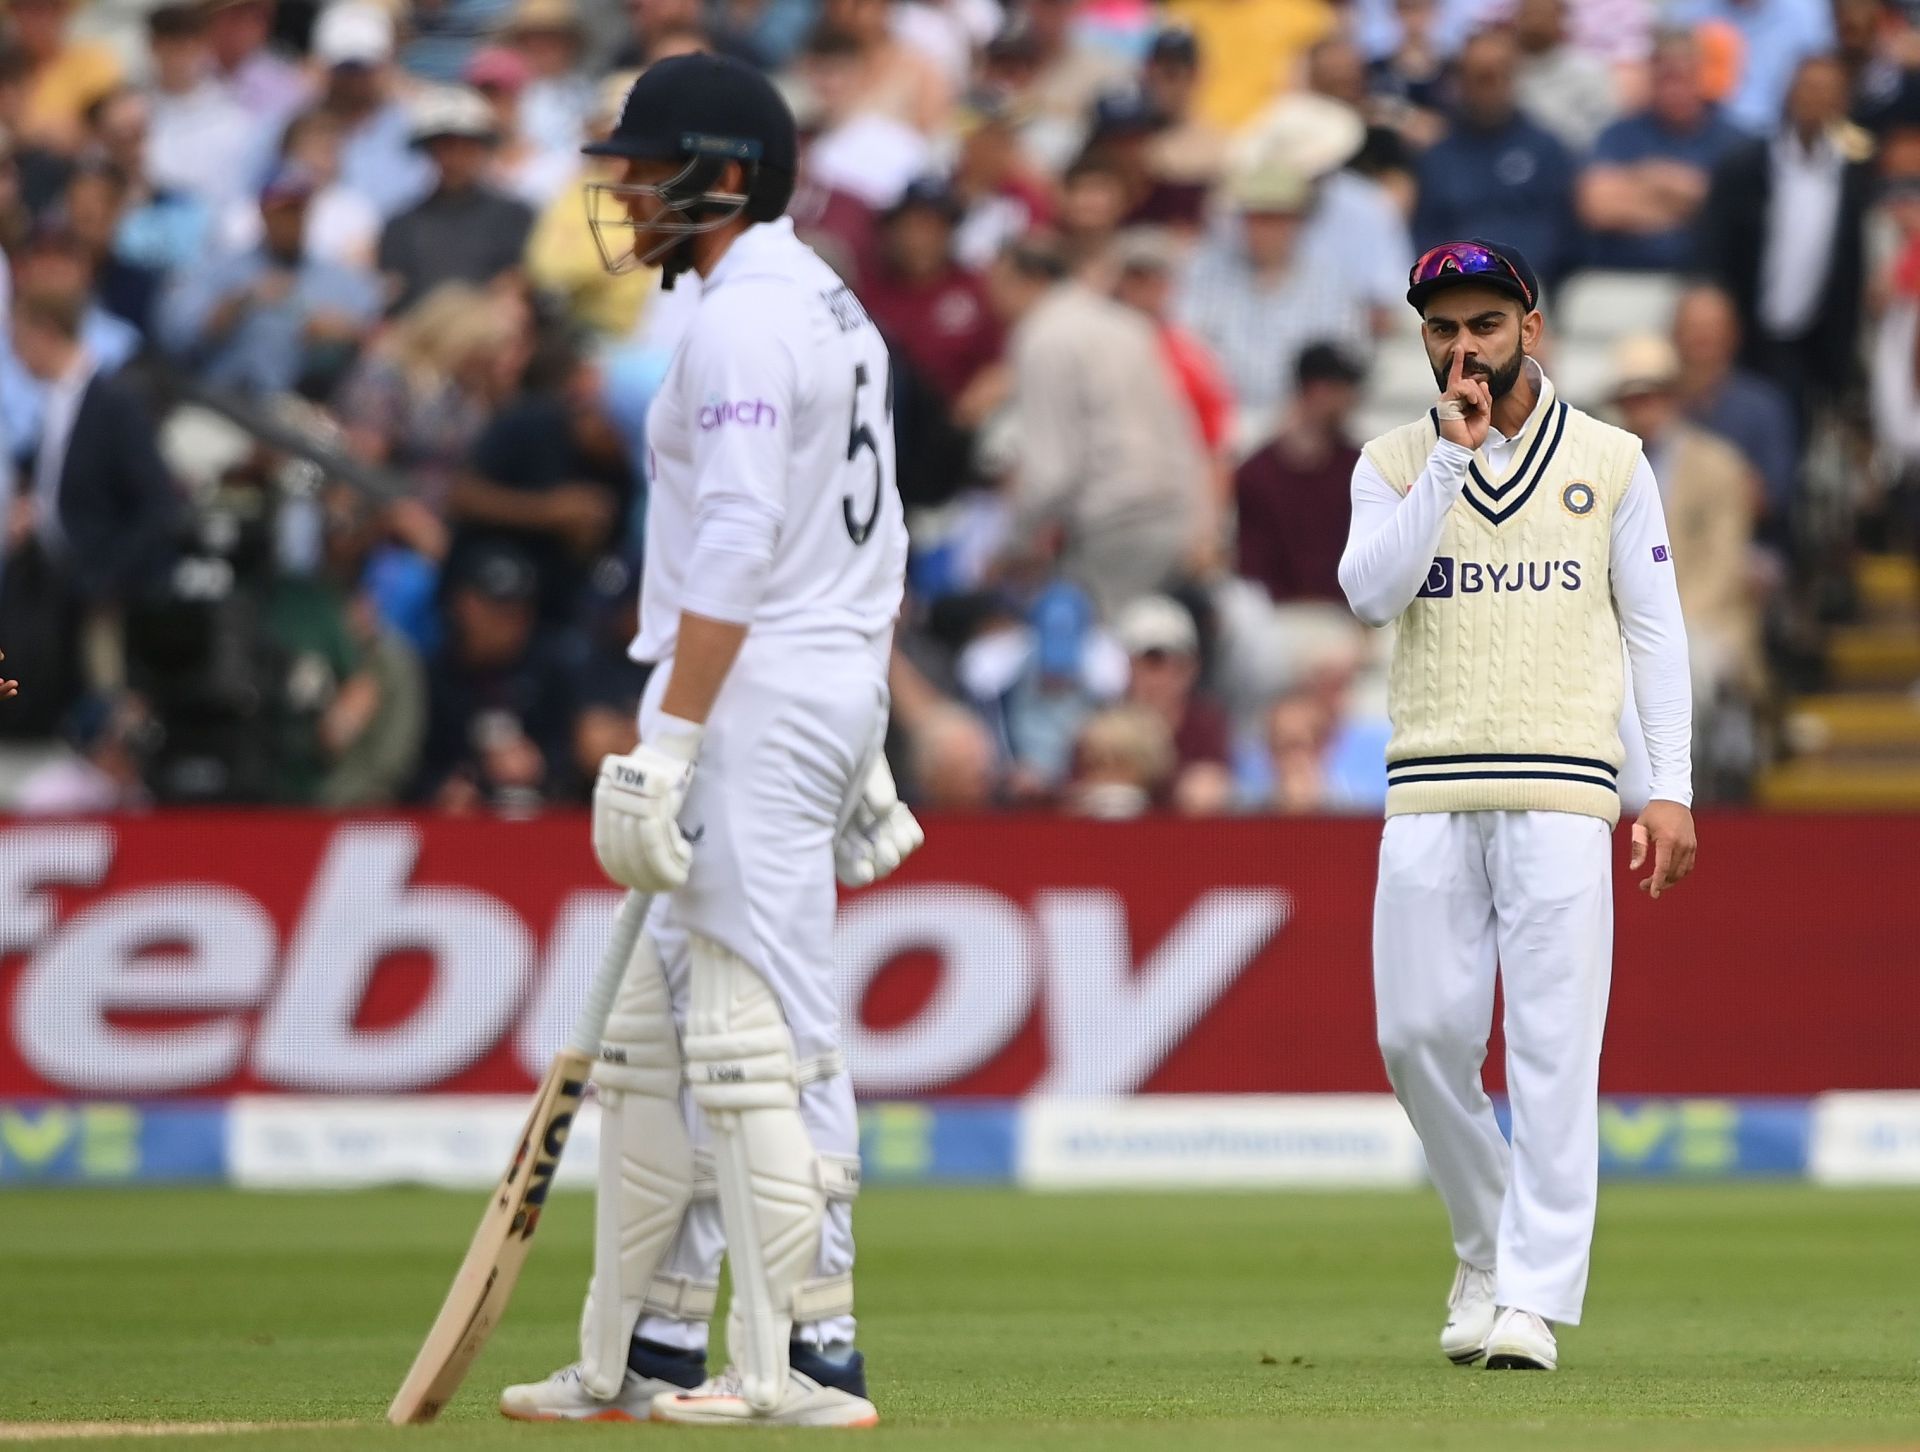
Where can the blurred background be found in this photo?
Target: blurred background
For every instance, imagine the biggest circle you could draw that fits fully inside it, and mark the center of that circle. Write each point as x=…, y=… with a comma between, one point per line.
x=322, y=444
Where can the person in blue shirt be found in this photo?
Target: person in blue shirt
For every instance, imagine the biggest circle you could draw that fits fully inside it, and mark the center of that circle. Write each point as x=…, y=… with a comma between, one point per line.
x=260, y=321
x=1640, y=194
x=1496, y=173
x=1775, y=36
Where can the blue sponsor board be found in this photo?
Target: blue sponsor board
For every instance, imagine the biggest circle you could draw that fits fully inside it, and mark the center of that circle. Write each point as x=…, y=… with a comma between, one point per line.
x=956, y=1141
x=47, y=1142
x=1699, y=1139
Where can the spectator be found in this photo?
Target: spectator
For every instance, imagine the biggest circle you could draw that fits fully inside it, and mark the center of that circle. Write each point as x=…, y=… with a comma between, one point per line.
x=561, y=98
x=549, y=482
x=1124, y=126
x=1410, y=79
x=108, y=736
x=43, y=172
x=54, y=259
x=1147, y=260
x=1336, y=71
x=1298, y=734
x=1772, y=39
x=1000, y=196
x=1292, y=495
x=1122, y=761
x=896, y=80
x=199, y=140
x=1567, y=90
x=156, y=229
x=415, y=404
x=1497, y=174
x=836, y=223
x=932, y=311
x=94, y=214
x=1640, y=197
x=1878, y=47
x=1747, y=410
x=97, y=504
x=353, y=42
x=1163, y=651
x=262, y=320
x=372, y=730
x=1251, y=45
x=562, y=257
x=522, y=168
x=1093, y=203
x=1035, y=671
x=606, y=684
x=1895, y=356
x=1051, y=77
x=1187, y=155
x=1783, y=233
x=1254, y=297
x=268, y=87
x=1710, y=500
x=953, y=763
x=66, y=76
x=343, y=227
x=464, y=230
x=868, y=153
x=500, y=713
x=1105, y=453
x=1355, y=229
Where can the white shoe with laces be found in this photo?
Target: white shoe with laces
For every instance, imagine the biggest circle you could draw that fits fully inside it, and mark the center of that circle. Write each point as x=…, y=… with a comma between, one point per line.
x=1522, y=1341
x=719, y=1403
x=1470, y=1314
x=562, y=1397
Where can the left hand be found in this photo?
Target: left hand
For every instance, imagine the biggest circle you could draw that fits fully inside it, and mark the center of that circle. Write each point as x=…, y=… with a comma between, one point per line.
x=1666, y=827
x=8, y=688
x=880, y=835
x=636, y=811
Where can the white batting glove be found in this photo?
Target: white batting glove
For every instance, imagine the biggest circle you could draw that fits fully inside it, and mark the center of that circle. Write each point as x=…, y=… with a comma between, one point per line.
x=880, y=835
x=636, y=811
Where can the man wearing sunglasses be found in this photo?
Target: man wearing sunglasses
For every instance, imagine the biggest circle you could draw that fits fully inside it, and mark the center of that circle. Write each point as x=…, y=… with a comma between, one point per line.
x=1514, y=541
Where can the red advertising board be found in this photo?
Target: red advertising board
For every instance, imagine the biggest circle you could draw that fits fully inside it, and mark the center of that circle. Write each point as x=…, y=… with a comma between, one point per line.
x=195, y=955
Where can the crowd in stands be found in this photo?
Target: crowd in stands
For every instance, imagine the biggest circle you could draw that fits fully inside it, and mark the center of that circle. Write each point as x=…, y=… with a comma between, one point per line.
x=322, y=427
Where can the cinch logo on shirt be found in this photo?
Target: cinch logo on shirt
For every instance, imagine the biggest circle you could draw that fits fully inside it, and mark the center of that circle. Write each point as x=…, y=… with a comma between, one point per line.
x=748, y=412
x=1447, y=577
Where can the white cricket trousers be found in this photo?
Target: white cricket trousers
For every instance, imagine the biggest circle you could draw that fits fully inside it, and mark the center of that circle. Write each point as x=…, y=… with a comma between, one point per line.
x=785, y=756
x=1529, y=896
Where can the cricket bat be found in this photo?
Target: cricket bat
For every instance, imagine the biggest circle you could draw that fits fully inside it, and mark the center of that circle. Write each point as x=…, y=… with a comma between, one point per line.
x=478, y=1297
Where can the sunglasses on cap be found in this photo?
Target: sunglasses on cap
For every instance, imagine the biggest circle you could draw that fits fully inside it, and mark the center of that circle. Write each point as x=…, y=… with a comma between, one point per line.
x=1467, y=259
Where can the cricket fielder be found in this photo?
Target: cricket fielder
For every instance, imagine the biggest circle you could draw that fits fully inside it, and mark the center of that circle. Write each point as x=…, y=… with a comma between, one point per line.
x=775, y=560
x=1514, y=540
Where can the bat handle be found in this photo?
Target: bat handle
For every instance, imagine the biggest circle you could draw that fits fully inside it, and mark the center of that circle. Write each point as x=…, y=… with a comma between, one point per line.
x=591, y=1025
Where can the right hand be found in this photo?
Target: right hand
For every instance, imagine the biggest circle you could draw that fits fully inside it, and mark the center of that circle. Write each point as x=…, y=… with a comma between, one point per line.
x=881, y=834
x=1475, y=401
x=636, y=810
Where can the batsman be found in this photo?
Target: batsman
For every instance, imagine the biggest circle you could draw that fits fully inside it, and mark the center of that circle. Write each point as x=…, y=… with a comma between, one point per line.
x=1515, y=542
x=775, y=560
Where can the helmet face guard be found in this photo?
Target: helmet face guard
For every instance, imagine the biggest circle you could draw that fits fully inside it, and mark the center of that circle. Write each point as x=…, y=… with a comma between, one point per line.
x=689, y=205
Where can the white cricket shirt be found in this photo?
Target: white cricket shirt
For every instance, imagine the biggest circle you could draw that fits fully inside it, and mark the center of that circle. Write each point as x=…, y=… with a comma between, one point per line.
x=770, y=458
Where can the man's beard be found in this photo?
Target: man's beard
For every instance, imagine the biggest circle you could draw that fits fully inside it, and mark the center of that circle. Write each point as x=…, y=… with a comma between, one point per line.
x=1500, y=381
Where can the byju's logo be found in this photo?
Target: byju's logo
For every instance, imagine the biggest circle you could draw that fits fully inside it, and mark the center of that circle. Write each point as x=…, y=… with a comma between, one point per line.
x=747, y=412
x=1447, y=577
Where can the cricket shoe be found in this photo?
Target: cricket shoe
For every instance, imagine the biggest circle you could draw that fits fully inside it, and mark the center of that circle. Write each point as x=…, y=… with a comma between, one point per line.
x=820, y=1393
x=563, y=1397
x=1469, y=1315
x=1521, y=1341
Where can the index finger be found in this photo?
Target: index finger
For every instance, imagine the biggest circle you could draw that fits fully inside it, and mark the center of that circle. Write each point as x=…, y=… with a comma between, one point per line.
x=1457, y=373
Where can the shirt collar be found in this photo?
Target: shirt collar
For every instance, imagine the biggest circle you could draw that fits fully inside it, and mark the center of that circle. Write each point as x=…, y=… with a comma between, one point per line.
x=752, y=251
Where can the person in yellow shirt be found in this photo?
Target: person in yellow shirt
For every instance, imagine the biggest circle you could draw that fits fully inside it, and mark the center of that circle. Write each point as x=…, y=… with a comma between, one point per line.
x=1250, y=48
x=68, y=75
x=562, y=256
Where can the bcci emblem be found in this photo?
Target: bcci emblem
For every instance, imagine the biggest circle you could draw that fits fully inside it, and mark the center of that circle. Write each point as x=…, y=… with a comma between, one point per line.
x=1577, y=498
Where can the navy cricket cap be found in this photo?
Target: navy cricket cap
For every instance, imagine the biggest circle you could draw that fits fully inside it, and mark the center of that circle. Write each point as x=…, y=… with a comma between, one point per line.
x=1476, y=261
